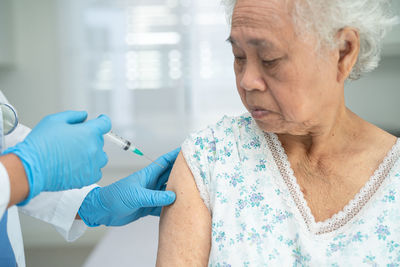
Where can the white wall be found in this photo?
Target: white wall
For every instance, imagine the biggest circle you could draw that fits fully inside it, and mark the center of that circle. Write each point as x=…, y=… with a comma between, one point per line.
x=376, y=97
x=31, y=82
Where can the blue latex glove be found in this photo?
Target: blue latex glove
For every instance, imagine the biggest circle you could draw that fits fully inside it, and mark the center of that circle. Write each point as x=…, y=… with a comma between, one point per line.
x=63, y=152
x=131, y=198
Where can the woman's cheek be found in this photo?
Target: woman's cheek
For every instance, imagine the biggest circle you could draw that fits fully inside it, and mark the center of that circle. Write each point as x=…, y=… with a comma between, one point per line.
x=241, y=92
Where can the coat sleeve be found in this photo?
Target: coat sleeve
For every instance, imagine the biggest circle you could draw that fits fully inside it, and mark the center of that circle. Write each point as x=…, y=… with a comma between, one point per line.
x=60, y=209
x=4, y=190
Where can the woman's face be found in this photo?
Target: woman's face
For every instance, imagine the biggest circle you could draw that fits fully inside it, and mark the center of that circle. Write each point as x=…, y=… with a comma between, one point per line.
x=282, y=80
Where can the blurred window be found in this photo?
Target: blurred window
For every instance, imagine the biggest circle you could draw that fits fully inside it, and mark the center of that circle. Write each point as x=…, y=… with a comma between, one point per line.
x=159, y=68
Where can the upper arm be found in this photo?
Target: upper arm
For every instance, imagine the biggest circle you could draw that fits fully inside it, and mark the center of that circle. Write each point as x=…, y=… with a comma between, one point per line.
x=185, y=226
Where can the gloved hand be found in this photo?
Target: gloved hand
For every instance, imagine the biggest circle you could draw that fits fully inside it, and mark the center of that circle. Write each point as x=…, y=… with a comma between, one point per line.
x=131, y=198
x=63, y=152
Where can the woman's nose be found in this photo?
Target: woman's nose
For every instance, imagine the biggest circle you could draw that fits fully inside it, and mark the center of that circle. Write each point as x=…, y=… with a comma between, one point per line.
x=252, y=79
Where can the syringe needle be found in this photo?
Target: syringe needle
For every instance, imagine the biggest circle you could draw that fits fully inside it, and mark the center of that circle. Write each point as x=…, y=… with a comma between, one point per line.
x=154, y=161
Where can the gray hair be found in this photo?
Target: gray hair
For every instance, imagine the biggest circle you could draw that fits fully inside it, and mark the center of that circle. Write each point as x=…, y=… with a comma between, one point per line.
x=372, y=18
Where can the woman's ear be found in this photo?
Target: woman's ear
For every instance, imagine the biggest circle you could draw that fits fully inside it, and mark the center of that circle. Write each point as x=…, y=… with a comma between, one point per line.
x=349, y=47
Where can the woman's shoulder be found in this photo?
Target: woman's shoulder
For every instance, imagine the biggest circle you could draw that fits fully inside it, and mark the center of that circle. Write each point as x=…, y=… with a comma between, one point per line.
x=219, y=147
x=227, y=141
x=241, y=122
x=230, y=124
x=227, y=130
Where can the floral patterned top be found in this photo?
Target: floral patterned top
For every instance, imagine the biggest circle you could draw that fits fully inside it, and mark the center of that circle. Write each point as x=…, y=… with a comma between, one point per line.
x=260, y=217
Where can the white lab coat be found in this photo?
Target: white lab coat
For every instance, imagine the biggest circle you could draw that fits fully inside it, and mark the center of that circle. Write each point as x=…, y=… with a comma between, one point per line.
x=58, y=208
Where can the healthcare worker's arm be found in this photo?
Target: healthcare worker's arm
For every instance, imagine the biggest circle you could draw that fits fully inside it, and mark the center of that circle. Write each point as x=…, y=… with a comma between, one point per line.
x=185, y=226
x=18, y=183
x=117, y=204
x=120, y=203
x=64, y=151
x=56, y=208
x=5, y=185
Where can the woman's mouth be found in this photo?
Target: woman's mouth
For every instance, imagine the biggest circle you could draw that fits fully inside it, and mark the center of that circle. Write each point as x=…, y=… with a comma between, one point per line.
x=259, y=113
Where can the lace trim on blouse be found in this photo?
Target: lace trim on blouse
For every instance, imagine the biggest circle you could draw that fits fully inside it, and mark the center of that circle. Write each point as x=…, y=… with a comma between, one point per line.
x=351, y=209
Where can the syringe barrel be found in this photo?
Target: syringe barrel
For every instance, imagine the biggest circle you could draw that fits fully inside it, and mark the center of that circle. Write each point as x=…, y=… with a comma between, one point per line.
x=121, y=142
x=126, y=145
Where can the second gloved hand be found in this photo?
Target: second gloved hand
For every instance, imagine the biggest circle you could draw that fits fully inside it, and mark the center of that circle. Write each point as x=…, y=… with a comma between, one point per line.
x=131, y=198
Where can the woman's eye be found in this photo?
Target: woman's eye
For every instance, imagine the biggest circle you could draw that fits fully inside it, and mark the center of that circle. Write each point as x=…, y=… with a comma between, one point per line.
x=240, y=60
x=270, y=63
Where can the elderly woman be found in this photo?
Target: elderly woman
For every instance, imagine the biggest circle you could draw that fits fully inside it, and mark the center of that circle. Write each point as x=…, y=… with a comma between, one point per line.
x=301, y=180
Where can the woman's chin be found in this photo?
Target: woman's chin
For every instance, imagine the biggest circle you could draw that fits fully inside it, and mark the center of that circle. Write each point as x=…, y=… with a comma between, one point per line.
x=270, y=126
x=273, y=126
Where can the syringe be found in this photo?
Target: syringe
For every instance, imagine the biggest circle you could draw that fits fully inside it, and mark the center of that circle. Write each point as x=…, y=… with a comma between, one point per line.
x=127, y=145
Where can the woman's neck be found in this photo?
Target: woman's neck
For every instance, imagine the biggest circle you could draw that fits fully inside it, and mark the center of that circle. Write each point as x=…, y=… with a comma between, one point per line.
x=327, y=139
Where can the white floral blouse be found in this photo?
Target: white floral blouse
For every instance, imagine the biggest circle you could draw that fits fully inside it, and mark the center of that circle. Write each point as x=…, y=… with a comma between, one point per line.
x=260, y=217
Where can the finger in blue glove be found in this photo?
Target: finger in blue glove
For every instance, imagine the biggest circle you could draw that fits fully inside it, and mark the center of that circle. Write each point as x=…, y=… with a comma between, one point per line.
x=131, y=198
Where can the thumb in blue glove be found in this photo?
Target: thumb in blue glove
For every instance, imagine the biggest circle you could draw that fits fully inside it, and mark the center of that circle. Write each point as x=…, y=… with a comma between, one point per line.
x=131, y=198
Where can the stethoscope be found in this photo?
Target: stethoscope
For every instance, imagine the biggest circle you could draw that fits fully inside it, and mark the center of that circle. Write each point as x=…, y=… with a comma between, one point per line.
x=10, y=118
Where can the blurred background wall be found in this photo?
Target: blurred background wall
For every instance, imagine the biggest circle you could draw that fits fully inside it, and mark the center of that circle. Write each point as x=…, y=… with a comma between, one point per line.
x=159, y=69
